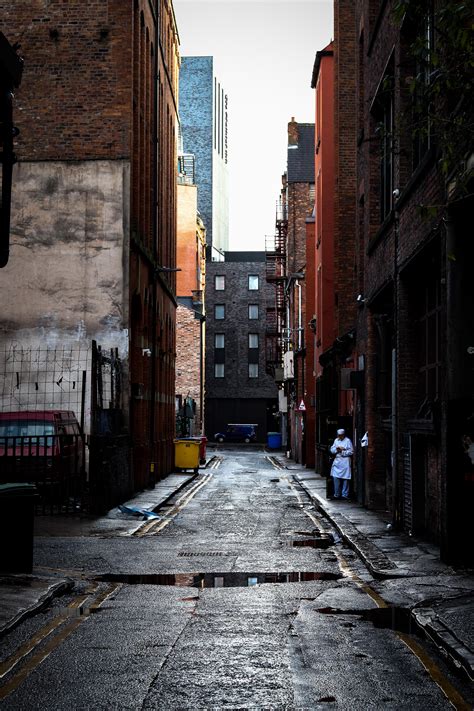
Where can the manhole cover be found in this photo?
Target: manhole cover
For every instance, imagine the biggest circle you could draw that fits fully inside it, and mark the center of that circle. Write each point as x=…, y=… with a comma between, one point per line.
x=201, y=554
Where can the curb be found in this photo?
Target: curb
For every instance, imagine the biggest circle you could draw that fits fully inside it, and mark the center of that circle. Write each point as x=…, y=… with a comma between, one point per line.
x=446, y=641
x=54, y=590
x=164, y=501
x=379, y=565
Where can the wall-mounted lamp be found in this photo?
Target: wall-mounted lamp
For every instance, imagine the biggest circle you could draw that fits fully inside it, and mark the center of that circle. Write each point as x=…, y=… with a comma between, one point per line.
x=360, y=300
x=146, y=352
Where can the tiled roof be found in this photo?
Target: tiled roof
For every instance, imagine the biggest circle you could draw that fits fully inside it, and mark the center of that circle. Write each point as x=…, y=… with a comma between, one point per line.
x=301, y=157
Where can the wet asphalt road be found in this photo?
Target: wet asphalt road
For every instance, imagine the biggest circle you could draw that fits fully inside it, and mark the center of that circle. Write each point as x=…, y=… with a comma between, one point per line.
x=211, y=637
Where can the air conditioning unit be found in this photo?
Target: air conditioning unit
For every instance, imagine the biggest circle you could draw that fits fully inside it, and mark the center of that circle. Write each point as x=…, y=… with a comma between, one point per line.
x=346, y=383
x=288, y=366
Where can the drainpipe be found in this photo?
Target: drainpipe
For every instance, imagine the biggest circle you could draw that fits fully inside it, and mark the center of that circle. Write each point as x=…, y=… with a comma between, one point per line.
x=11, y=68
x=396, y=512
x=298, y=286
x=154, y=350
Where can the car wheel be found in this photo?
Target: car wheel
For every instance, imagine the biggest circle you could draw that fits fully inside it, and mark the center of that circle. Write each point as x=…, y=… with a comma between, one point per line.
x=247, y=439
x=220, y=439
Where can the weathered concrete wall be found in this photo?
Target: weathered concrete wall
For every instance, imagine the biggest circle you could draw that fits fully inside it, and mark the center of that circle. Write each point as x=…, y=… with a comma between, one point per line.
x=67, y=279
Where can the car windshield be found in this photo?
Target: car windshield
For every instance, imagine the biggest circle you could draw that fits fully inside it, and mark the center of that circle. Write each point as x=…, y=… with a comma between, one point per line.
x=26, y=428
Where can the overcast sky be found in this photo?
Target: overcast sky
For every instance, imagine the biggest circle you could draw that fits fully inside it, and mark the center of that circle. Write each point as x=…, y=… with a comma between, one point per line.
x=264, y=52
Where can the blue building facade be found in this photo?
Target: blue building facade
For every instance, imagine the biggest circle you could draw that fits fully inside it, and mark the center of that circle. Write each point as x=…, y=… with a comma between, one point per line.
x=203, y=109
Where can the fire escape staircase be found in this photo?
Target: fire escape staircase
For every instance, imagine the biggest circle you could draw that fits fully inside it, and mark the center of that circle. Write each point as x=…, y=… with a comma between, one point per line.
x=275, y=270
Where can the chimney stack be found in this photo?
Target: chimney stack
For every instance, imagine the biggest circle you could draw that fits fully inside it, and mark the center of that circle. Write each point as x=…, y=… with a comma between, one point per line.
x=293, y=132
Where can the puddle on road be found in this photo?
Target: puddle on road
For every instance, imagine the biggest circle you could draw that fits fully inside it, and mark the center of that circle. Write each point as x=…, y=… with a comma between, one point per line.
x=217, y=580
x=317, y=540
x=398, y=619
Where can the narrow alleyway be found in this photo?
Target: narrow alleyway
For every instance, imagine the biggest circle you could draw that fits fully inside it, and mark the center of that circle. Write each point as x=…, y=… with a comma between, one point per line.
x=240, y=595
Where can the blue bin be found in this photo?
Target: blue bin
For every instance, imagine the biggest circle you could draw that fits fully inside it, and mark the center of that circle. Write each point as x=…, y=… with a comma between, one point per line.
x=274, y=440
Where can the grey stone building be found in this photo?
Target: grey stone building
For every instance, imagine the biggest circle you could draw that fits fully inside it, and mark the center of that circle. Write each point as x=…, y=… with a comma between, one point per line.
x=203, y=109
x=238, y=388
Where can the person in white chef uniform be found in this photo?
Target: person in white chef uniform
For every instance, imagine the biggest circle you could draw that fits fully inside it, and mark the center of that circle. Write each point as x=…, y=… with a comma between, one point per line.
x=341, y=466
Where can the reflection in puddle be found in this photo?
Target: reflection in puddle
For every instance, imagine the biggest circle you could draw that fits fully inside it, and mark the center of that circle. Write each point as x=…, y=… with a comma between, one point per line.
x=324, y=540
x=392, y=618
x=218, y=580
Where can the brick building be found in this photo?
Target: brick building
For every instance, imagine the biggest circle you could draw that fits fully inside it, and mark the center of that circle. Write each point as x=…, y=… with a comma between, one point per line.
x=190, y=317
x=287, y=254
x=412, y=332
x=321, y=239
x=203, y=109
x=97, y=153
x=399, y=366
x=238, y=388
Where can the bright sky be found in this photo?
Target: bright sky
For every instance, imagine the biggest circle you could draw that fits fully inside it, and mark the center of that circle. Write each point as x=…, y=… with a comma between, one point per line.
x=264, y=53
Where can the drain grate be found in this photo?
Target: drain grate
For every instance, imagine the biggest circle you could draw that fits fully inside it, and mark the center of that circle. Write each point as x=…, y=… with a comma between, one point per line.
x=201, y=554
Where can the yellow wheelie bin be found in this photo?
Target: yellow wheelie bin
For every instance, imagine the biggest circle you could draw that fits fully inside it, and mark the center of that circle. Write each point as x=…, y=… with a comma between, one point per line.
x=186, y=454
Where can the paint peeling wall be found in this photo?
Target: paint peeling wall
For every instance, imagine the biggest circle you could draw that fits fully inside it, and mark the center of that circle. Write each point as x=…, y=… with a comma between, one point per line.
x=67, y=279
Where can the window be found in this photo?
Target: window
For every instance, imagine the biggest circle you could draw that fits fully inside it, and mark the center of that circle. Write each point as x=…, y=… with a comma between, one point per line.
x=386, y=169
x=429, y=337
x=421, y=108
x=253, y=370
x=219, y=311
x=253, y=311
x=219, y=340
x=253, y=340
x=219, y=370
x=383, y=116
x=219, y=282
x=253, y=282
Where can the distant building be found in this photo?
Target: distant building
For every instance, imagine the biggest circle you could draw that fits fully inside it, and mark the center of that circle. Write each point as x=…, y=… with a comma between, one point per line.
x=190, y=317
x=286, y=269
x=238, y=388
x=203, y=109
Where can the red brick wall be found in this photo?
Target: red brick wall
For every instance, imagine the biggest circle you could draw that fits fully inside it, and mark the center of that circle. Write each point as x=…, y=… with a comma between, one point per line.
x=345, y=108
x=74, y=101
x=188, y=357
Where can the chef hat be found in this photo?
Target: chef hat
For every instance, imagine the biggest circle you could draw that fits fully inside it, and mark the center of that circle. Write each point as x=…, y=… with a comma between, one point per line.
x=339, y=432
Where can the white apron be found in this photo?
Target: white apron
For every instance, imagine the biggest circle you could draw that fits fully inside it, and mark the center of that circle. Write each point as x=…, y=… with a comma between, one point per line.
x=341, y=466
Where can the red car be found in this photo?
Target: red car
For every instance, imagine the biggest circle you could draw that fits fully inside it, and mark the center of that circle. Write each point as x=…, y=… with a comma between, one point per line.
x=40, y=445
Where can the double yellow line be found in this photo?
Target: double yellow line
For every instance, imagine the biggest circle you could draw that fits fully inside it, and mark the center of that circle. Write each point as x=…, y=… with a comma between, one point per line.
x=151, y=528
x=439, y=678
x=68, y=621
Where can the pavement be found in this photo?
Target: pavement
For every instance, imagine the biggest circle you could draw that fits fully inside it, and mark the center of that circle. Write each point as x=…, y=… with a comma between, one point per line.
x=447, y=617
x=392, y=558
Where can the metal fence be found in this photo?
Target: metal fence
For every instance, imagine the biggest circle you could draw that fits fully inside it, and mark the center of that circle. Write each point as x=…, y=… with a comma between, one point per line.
x=45, y=378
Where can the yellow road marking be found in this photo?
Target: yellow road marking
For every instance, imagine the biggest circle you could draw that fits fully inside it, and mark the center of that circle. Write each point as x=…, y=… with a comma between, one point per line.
x=274, y=463
x=155, y=526
x=439, y=678
x=37, y=638
x=68, y=627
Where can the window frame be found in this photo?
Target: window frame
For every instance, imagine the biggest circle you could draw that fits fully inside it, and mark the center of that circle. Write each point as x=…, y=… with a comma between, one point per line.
x=216, y=287
x=216, y=317
x=218, y=367
x=253, y=288
x=256, y=335
x=253, y=366
x=253, y=318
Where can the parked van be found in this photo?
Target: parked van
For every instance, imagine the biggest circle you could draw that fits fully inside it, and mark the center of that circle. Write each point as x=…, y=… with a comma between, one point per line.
x=237, y=432
x=36, y=445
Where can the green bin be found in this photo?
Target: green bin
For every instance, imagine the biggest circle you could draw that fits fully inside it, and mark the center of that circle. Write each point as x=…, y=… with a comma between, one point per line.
x=16, y=527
